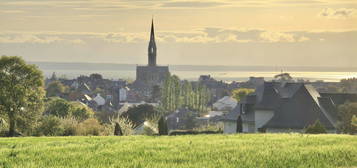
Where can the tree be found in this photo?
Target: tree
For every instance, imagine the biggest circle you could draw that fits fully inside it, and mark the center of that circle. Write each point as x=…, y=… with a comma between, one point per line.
x=240, y=93
x=117, y=130
x=21, y=93
x=58, y=107
x=62, y=108
x=354, y=122
x=50, y=126
x=55, y=88
x=316, y=128
x=81, y=111
x=283, y=77
x=345, y=113
x=163, y=130
x=96, y=76
x=139, y=113
x=239, y=124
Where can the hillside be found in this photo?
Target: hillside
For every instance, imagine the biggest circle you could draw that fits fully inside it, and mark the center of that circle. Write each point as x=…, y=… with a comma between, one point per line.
x=247, y=150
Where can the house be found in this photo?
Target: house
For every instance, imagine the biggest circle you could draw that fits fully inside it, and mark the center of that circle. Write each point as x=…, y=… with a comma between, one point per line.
x=226, y=103
x=99, y=100
x=230, y=121
x=123, y=94
x=285, y=107
x=181, y=119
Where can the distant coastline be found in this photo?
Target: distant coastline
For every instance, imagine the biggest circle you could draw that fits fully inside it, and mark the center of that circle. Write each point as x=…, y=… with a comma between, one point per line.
x=192, y=72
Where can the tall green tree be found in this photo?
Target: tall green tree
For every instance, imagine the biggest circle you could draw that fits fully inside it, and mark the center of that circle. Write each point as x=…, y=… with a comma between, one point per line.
x=21, y=93
x=56, y=88
x=345, y=115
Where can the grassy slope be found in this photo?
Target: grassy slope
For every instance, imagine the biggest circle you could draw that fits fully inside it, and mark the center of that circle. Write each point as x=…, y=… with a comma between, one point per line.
x=248, y=150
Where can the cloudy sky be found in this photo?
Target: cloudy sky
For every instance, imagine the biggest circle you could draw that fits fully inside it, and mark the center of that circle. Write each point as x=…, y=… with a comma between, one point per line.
x=194, y=32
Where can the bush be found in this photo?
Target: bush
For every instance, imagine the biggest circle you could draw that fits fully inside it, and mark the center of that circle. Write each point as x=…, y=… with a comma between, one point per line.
x=316, y=128
x=126, y=125
x=90, y=126
x=50, y=126
x=69, y=125
x=81, y=111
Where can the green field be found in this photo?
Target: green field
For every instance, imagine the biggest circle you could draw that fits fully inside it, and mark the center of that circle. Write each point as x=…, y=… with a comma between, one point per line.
x=247, y=150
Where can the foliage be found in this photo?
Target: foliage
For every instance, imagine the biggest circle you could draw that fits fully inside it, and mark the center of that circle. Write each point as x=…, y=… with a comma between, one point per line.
x=345, y=113
x=50, y=126
x=349, y=85
x=56, y=89
x=81, y=111
x=239, y=124
x=63, y=108
x=21, y=93
x=90, y=126
x=210, y=128
x=240, y=93
x=209, y=151
x=96, y=76
x=316, y=128
x=126, y=124
x=283, y=77
x=117, y=130
x=163, y=130
x=137, y=114
x=58, y=107
x=176, y=94
x=69, y=125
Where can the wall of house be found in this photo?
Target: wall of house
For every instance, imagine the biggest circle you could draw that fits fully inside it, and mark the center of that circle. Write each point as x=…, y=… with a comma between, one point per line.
x=248, y=127
x=262, y=117
x=288, y=130
x=229, y=127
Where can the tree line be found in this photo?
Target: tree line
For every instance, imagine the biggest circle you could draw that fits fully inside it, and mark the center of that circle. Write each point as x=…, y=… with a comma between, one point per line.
x=177, y=94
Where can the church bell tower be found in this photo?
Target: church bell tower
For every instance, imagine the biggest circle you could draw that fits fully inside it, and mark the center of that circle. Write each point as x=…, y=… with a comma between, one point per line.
x=152, y=46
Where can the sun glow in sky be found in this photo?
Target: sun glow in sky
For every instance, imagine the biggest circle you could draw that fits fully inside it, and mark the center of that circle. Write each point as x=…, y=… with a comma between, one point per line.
x=211, y=32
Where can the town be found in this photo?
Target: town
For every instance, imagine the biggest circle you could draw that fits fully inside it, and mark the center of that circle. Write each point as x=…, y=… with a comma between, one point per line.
x=283, y=104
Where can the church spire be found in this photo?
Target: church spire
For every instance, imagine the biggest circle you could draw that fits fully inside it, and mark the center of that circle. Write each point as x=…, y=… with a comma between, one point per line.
x=152, y=46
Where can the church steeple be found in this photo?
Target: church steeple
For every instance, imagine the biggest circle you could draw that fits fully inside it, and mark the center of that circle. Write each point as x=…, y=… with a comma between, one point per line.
x=152, y=46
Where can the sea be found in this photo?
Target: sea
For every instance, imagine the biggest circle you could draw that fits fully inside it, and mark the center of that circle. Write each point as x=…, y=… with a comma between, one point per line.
x=192, y=72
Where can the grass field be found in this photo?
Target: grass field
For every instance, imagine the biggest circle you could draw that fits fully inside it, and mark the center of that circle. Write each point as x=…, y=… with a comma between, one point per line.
x=248, y=150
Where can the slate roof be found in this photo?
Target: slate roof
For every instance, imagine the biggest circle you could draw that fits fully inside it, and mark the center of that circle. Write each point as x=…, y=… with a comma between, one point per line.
x=295, y=105
x=232, y=115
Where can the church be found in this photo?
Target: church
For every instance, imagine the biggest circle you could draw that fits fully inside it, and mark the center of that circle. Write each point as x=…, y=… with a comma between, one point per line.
x=150, y=75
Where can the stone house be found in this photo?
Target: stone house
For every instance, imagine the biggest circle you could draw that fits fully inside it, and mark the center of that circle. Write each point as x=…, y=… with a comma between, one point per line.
x=286, y=107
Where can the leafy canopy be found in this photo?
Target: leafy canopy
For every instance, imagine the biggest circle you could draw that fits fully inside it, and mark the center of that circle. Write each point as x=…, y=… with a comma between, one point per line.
x=21, y=93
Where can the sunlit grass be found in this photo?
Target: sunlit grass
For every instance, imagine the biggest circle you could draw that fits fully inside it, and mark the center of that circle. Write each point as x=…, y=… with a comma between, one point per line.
x=248, y=150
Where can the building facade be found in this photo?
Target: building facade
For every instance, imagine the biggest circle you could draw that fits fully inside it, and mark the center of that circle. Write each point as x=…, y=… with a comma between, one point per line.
x=150, y=75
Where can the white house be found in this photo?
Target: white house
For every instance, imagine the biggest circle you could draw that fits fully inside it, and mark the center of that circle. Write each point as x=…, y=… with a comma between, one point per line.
x=123, y=94
x=99, y=100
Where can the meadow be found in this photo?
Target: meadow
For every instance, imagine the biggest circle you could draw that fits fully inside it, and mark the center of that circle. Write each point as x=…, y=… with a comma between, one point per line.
x=206, y=151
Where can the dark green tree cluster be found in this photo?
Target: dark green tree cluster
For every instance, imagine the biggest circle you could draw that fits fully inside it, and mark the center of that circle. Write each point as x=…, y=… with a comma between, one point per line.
x=345, y=115
x=63, y=108
x=316, y=128
x=162, y=124
x=176, y=94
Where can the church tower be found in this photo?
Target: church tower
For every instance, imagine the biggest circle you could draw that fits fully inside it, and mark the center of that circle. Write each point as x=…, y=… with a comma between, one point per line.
x=152, y=46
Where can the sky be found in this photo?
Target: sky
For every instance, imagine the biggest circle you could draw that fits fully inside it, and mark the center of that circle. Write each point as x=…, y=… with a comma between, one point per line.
x=189, y=32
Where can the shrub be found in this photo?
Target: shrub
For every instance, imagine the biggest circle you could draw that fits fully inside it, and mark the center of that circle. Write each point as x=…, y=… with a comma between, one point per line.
x=316, y=128
x=90, y=126
x=126, y=125
x=81, y=111
x=117, y=130
x=163, y=130
x=148, y=131
x=50, y=126
x=69, y=125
